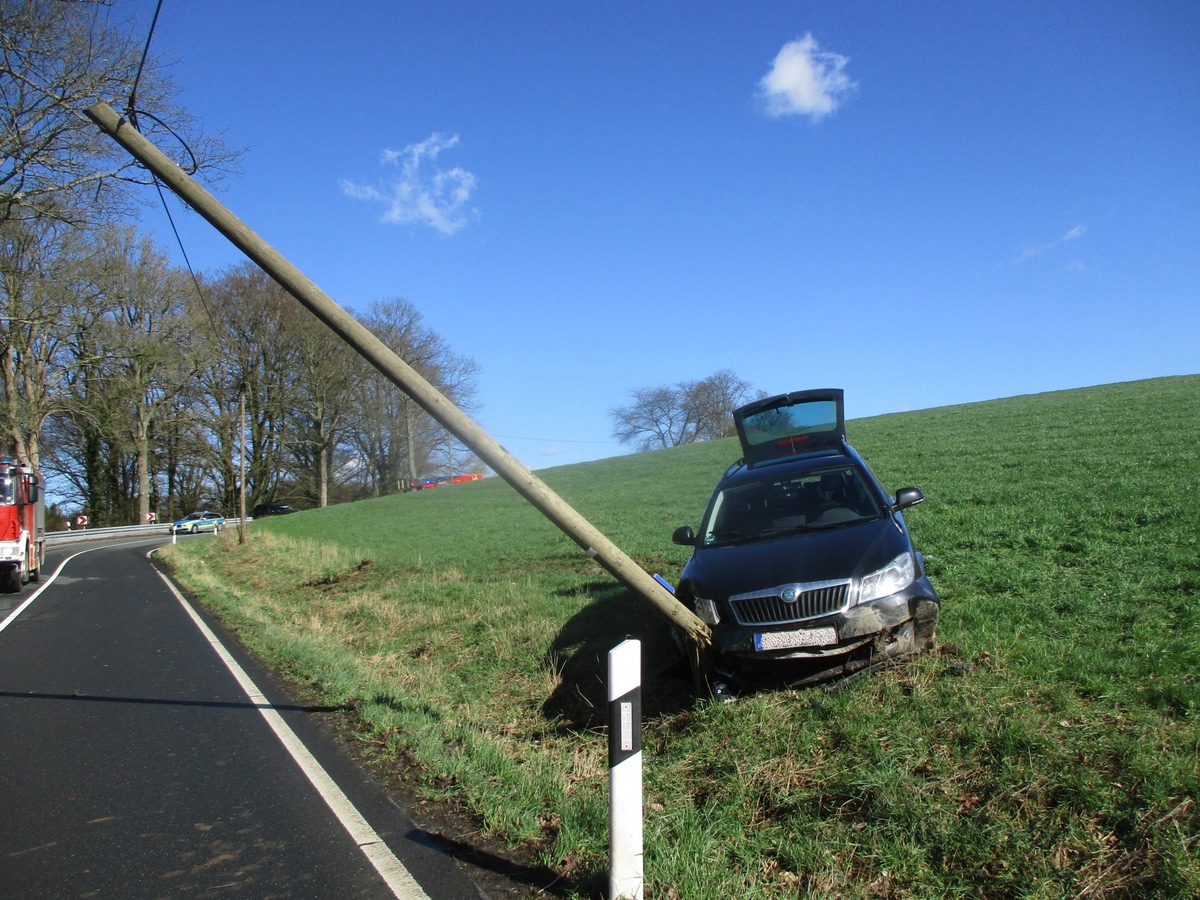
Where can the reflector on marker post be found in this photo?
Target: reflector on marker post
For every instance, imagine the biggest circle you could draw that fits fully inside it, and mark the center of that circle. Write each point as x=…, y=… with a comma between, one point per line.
x=625, y=878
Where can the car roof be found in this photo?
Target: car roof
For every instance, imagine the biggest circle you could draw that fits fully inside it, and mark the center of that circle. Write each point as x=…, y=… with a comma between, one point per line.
x=793, y=465
x=790, y=425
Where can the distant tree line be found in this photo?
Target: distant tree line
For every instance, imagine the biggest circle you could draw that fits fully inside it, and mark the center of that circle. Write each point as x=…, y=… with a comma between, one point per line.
x=682, y=413
x=128, y=380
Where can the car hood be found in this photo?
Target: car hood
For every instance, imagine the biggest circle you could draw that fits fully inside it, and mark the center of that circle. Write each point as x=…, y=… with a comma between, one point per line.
x=846, y=552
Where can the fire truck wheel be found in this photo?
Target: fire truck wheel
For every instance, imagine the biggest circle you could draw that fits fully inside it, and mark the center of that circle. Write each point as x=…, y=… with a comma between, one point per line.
x=13, y=581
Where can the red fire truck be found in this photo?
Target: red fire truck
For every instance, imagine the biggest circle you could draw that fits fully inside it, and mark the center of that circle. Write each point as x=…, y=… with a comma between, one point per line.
x=22, y=525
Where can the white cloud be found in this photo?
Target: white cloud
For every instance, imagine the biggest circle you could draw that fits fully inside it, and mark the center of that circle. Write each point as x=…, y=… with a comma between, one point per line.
x=805, y=80
x=1032, y=251
x=420, y=193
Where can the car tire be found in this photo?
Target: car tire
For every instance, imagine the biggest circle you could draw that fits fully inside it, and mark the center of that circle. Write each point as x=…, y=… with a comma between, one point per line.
x=193, y=529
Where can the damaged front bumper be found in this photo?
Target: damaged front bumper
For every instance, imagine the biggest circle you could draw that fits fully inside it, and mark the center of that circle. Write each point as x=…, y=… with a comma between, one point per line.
x=899, y=625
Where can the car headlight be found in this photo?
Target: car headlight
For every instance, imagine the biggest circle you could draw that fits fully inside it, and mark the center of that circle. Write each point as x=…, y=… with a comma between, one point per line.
x=707, y=611
x=891, y=579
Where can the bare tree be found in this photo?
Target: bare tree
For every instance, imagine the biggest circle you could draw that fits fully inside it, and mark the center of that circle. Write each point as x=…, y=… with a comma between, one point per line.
x=125, y=357
x=39, y=265
x=656, y=417
x=147, y=344
x=394, y=438
x=243, y=320
x=56, y=59
x=710, y=403
x=325, y=381
x=682, y=413
x=59, y=173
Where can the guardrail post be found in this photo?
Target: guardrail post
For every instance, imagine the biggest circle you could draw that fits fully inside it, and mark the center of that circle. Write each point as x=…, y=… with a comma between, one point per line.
x=626, y=877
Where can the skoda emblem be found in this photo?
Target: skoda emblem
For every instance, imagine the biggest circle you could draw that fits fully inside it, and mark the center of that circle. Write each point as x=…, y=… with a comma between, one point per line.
x=789, y=595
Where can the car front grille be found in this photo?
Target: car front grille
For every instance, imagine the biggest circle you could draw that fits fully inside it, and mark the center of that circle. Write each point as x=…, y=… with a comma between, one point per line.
x=811, y=601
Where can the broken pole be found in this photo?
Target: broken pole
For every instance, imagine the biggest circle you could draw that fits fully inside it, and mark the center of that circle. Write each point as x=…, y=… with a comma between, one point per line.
x=611, y=558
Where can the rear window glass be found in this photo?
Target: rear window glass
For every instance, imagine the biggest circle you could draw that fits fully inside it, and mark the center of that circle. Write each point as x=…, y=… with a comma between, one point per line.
x=791, y=424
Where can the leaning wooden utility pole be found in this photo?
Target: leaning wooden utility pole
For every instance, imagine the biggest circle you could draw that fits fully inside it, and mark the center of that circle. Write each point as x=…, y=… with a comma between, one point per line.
x=697, y=635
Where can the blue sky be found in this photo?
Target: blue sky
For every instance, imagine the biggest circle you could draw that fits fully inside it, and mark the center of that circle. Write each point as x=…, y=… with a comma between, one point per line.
x=924, y=204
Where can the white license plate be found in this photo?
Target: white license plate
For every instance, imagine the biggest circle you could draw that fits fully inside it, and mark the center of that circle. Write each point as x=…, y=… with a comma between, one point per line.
x=787, y=640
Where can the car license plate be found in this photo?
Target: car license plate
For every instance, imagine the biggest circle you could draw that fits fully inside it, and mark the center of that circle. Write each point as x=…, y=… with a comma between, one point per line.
x=787, y=640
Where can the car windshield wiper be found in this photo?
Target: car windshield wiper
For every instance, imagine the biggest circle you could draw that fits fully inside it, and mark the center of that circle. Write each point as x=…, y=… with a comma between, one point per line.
x=741, y=537
x=730, y=536
x=814, y=526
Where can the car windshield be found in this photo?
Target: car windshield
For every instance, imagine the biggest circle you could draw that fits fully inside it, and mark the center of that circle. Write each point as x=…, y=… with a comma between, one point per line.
x=774, y=505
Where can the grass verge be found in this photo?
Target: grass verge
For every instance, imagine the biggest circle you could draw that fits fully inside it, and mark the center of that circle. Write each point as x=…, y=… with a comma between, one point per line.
x=1049, y=749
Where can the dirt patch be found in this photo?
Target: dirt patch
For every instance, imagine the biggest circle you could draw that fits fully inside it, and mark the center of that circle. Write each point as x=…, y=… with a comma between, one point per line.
x=353, y=576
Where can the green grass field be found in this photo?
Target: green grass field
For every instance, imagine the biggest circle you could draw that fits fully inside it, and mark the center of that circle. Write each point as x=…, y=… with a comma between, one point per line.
x=1049, y=748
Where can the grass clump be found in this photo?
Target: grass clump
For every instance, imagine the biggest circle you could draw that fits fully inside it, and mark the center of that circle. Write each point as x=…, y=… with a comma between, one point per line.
x=1048, y=749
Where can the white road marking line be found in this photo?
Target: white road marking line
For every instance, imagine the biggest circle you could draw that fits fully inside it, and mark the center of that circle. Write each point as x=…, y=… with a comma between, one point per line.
x=42, y=585
x=20, y=609
x=403, y=886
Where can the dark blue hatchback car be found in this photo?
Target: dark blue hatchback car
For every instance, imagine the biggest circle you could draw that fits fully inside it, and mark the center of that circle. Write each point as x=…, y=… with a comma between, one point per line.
x=802, y=554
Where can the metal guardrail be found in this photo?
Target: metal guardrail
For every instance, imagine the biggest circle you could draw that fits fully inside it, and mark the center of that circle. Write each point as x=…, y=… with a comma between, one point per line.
x=77, y=535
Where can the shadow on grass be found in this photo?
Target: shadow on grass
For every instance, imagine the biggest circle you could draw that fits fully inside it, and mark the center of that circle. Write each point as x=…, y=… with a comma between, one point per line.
x=579, y=654
x=536, y=877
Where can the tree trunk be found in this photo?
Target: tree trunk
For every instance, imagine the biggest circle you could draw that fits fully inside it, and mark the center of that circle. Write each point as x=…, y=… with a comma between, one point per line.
x=143, y=471
x=323, y=476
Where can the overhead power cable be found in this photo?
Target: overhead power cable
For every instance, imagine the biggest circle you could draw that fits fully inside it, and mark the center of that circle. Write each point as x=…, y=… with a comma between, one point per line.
x=131, y=113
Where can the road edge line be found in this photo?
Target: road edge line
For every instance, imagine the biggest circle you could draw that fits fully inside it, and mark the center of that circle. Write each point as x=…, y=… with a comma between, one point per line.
x=394, y=873
x=42, y=585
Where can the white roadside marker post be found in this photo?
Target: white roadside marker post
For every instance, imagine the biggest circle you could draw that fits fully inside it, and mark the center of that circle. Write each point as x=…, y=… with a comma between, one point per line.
x=625, y=879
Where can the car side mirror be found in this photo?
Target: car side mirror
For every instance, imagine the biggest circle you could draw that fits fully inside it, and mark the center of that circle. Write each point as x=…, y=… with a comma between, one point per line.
x=906, y=497
x=684, y=536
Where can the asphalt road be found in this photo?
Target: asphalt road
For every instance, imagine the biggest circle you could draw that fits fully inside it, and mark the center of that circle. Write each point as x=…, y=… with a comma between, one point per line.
x=134, y=764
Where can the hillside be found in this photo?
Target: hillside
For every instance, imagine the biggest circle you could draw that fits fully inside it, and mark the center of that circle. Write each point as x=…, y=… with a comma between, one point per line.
x=1048, y=749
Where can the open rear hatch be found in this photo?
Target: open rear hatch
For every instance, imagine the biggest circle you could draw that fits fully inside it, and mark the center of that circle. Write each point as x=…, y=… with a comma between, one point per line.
x=789, y=425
